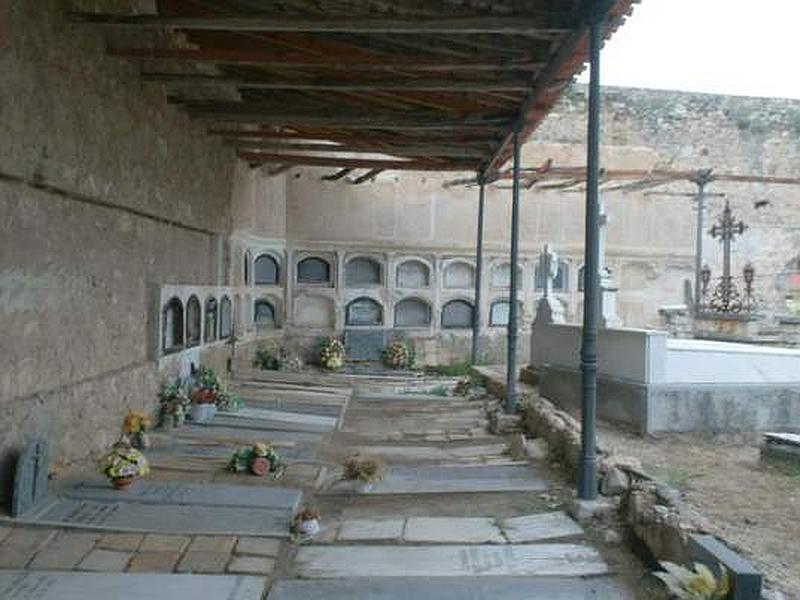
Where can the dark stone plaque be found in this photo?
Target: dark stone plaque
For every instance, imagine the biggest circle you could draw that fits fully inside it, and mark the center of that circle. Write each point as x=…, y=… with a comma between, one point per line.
x=364, y=345
x=30, y=478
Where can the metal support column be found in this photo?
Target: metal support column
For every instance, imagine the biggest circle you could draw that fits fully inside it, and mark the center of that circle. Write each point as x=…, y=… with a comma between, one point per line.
x=476, y=315
x=587, y=469
x=511, y=359
x=702, y=179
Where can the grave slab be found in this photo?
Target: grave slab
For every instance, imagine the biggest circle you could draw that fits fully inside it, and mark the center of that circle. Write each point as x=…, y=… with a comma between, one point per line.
x=30, y=478
x=450, y=588
x=567, y=560
x=470, y=530
x=244, y=435
x=169, y=493
x=224, y=451
x=283, y=417
x=361, y=530
x=545, y=526
x=165, y=518
x=449, y=479
x=21, y=585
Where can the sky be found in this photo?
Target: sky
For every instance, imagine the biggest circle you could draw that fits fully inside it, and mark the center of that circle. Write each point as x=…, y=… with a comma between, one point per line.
x=733, y=47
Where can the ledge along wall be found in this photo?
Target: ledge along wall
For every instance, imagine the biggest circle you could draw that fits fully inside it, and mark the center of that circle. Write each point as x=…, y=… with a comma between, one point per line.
x=651, y=383
x=105, y=193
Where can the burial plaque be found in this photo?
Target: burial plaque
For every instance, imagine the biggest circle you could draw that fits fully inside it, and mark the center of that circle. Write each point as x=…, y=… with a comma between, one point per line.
x=364, y=345
x=30, y=478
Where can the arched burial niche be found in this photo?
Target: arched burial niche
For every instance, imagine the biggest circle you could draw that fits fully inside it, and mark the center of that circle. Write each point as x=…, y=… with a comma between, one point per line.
x=264, y=313
x=194, y=319
x=266, y=270
x=459, y=275
x=364, y=312
x=499, y=311
x=362, y=272
x=412, y=312
x=313, y=270
x=211, y=319
x=314, y=311
x=501, y=276
x=172, y=326
x=413, y=274
x=225, y=318
x=457, y=314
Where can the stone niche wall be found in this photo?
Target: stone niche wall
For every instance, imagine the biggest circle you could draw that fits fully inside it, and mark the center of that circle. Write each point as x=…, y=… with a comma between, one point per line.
x=105, y=193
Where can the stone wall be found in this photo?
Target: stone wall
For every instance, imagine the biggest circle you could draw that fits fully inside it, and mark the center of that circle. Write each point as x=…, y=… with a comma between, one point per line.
x=105, y=193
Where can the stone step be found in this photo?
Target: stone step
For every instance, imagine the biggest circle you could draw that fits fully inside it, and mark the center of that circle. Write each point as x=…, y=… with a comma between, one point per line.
x=44, y=585
x=559, y=560
x=451, y=588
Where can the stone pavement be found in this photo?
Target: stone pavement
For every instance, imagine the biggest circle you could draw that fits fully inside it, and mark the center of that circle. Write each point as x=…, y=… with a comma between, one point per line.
x=488, y=523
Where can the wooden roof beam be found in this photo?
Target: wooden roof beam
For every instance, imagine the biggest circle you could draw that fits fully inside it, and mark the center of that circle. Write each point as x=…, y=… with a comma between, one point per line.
x=410, y=85
x=398, y=149
x=356, y=163
x=301, y=60
x=539, y=26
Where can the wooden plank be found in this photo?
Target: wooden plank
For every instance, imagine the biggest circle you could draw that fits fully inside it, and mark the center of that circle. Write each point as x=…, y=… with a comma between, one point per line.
x=300, y=60
x=368, y=176
x=356, y=163
x=539, y=26
x=409, y=150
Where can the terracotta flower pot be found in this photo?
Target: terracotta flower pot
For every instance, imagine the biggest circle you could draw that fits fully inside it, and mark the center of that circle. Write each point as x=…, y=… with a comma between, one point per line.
x=260, y=466
x=122, y=482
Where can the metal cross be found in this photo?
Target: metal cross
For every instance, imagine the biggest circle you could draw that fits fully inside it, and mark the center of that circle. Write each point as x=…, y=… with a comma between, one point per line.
x=726, y=297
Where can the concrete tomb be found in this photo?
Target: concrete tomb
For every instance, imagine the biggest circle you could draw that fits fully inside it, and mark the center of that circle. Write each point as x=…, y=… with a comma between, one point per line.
x=574, y=560
x=30, y=478
x=451, y=588
x=784, y=447
x=32, y=585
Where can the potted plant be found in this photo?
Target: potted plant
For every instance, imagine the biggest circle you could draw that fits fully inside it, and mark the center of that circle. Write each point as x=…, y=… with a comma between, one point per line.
x=364, y=471
x=123, y=464
x=175, y=403
x=332, y=354
x=229, y=401
x=306, y=522
x=135, y=427
x=260, y=459
x=204, y=396
x=398, y=355
x=265, y=360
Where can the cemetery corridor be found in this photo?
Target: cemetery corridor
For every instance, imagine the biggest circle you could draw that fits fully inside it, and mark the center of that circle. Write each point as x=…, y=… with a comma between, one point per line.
x=455, y=517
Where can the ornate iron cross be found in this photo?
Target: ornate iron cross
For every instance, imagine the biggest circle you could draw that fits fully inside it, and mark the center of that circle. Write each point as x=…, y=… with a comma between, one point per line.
x=726, y=297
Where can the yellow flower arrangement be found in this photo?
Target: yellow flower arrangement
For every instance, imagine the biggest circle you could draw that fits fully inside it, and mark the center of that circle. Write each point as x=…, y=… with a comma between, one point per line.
x=136, y=422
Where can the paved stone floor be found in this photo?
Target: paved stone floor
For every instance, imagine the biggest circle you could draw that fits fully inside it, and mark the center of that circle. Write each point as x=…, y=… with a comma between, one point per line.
x=503, y=540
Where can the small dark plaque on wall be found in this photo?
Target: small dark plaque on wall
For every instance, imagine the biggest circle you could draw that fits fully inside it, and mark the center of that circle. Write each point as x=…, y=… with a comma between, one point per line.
x=30, y=478
x=364, y=345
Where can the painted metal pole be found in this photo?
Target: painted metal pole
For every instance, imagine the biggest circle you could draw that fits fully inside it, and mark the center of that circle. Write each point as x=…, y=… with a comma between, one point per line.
x=476, y=316
x=587, y=469
x=511, y=359
x=701, y=180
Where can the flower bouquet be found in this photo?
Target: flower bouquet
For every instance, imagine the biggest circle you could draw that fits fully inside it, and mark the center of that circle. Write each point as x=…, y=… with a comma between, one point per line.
x=204, y=396
x=695, y=584
x=260, y=459
x=123, y=464
x=398, y=355
x=175, y=403
x=135, y=427
x=365, y=471
x=306, y=522
x=332, y=354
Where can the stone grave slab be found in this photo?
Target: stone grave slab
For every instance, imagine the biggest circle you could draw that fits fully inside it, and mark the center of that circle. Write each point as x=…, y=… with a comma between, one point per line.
x=310, y=407
x=452, y=479
x=195, y=494
x=165, y=518
x=284, y=418
x=227, y=420
x=43, y=585
x=245, y=435
x=364, y=345
x=566, y=560
x=545, y=526
x=451, y=588
x=30, y=478
x=453, y=530
x=219, y=451
x=360, y=530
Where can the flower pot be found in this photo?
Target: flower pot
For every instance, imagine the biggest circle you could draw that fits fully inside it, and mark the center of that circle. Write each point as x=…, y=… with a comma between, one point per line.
x=122, y=482
x=260, y=466
x=309, y=527
x=201, y=413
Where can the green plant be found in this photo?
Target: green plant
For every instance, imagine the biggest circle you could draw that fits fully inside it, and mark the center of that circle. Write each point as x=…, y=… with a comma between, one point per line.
x=229, y=401
x=697, y=584
x=367, y=469
x=264, y=359
x=123, y=462
x=332, y=354
x=398, y=355
x=459, y=369
x=208, y=380
x=246, y=459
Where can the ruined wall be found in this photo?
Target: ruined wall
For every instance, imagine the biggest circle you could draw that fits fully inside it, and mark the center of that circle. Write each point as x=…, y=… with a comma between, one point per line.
x=105, y=193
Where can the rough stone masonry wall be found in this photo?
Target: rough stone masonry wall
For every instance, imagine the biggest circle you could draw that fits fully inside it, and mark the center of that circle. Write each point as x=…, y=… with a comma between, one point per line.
x=105, y=192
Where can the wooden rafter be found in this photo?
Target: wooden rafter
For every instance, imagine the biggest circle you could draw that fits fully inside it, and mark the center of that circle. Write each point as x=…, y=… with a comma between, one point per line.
x=405, y=150
x=357, y=163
